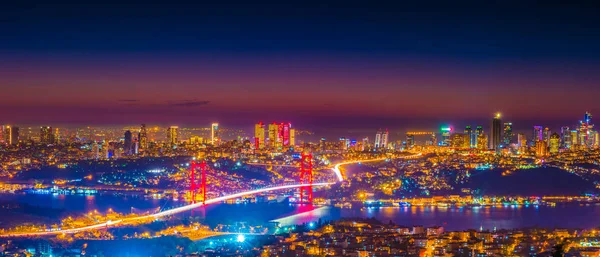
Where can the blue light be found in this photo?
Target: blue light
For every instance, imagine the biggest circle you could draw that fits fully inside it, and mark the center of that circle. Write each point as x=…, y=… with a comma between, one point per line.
x=240, y=238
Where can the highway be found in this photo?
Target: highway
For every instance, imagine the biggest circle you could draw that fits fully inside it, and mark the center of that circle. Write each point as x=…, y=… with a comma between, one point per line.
x=340, y=176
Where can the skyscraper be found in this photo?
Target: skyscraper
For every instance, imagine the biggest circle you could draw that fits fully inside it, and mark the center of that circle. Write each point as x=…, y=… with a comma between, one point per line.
x=214, y=133
x=565, y=137
x=285, y=133
x=522, y=142
x=259, y=136
x=273, y=135
x=482, y=141
x=381, y=139
x=554, y=143
x=574, y=139
x=11, y=135
x=172, y=134
x=143, y=137
x=538, y=133
x=472, y=136
x=546, y=136
x=496, y=133
x=292, y=137
x=46, y=135
x=508, y=134
x=127, y=143
x=478, y=132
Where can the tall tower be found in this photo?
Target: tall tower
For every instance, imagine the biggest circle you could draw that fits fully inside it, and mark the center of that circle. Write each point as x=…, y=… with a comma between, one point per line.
x=259, y=136
x=378, y=139
x=508, y=134
x=286, y=133
x=538, y=134
x=384, y=139
x=214, y=133
x=273, y=135
x=554, y=143
x=496, y=132
x=143, y=137
x=565, y=137
x=292, y=137
x=471, y=135
x=127, y=142
x=172, y=134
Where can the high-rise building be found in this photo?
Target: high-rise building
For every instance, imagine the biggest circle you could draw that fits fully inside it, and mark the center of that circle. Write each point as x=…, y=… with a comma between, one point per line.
x=521, y=140
x=546, y=136
x=172, y=135
x=472, y=136
x=273, y=135
x=46, y=135
x=565, y=137
x=541, y=148
x=585, y=129
x=574, y=139
x=482, y=141
x=127, y=143
x=538, y=134
x=11, y=135
x=496, y=133
x=214, y=133
x=410, y=140
x=508, y=134
x=554, y=143
x=95, y=150
x=292, y=137
x=285, y=133
x=381, y=139
x=143, y=137
x=446, y=132
x=259, y=136
x=478, y=131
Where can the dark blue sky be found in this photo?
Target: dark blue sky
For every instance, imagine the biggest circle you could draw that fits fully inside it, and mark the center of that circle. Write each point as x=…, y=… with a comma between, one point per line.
x=352, y=62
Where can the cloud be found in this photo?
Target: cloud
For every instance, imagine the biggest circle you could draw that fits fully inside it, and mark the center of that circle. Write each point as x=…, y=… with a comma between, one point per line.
x=128, y=100
x=188, y=103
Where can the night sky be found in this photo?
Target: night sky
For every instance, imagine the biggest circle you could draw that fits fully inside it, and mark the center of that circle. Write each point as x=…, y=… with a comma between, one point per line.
x=341, y=64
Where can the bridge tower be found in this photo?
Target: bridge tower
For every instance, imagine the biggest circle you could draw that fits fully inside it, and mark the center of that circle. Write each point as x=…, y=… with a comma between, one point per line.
x=306, y=177
x=194, y=187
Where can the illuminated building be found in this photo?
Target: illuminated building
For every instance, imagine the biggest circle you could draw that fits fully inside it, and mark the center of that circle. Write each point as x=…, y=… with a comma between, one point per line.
x=343, y=144
x=95, y=150
x=46, y=136
x=459, y=140
x=554, y=143
x=546, y=136
x=172, y=134
x=521, y=140
x=472, y=136
x=284, y=130
x=292, y=137
x=56, y=135
x=410, y=140
x=574, y=139
x=478, y=132
x=11, y=135
x=596, y=139
x=381, y=139
x=322, y=144
x=538, y=133
x=482, y=141
x=214, y=133
x=496, y=133
x=585, y=131
x=365, y=143
x=128, y=142
x=196, y=140
x=508, y=134
x=143, y=137
x=259, y=136
x=541, y=148
x=565, y=137
x=273, y=135
x=446, y=136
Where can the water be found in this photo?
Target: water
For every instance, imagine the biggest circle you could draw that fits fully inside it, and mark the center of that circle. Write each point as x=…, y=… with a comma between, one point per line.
x=452, y=218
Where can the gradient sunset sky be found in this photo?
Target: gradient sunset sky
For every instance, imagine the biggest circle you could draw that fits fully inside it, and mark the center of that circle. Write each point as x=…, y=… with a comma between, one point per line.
x=352, y=64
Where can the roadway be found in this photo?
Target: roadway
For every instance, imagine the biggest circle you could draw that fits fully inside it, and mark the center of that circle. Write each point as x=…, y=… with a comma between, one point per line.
x=340, y=176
